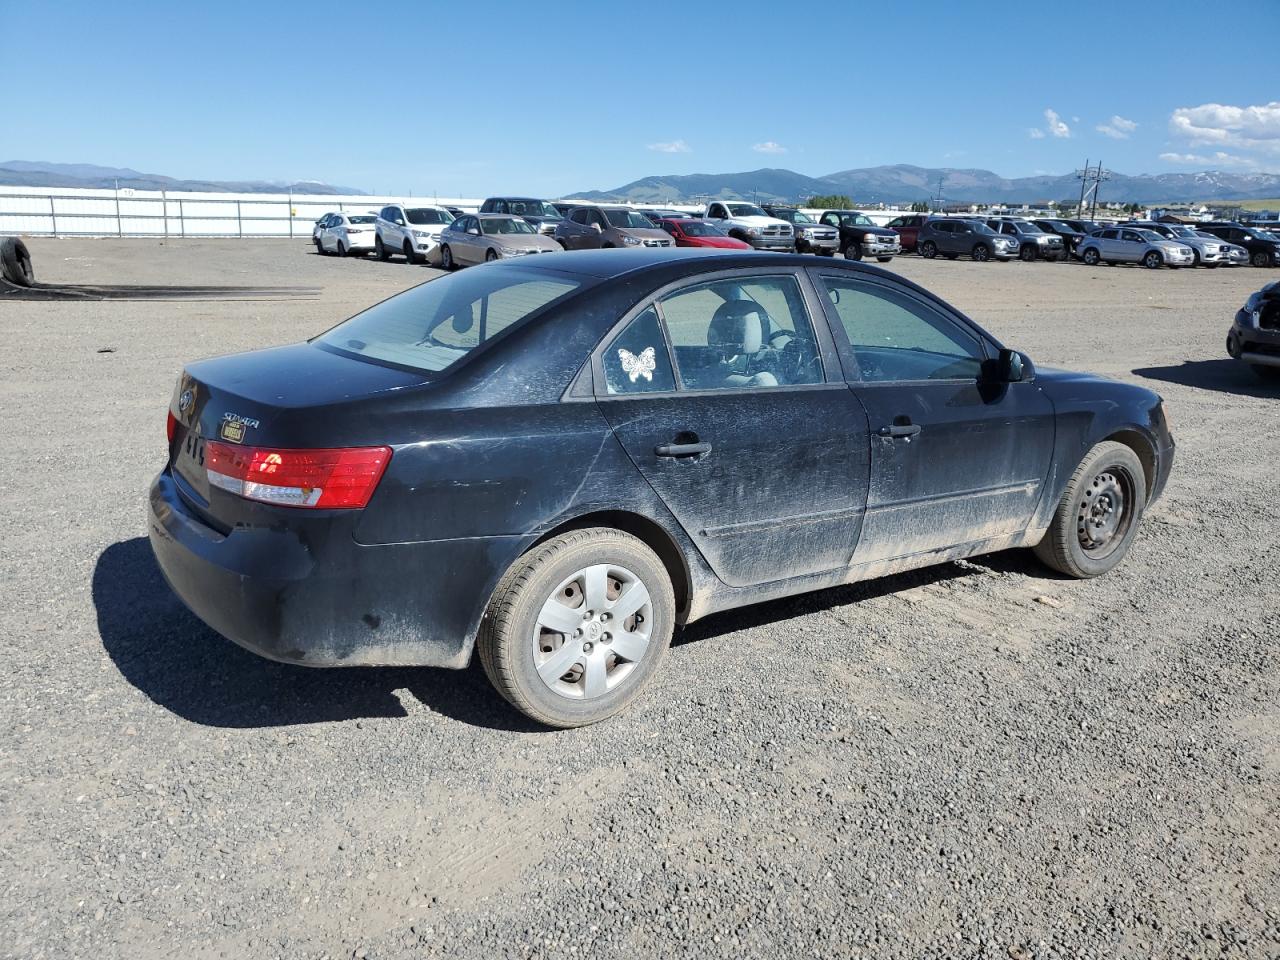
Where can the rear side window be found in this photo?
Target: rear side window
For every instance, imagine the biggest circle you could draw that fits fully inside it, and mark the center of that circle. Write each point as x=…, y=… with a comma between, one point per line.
x=897, y=338
x=435, y=325
x=637, y=360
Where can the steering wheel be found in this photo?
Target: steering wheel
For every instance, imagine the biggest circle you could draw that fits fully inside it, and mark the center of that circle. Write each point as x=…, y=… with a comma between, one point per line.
x=793, y=358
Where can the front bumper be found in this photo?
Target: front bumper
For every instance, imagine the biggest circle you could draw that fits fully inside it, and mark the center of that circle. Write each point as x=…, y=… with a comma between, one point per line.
x=305, y=592
x=881, y=247
x=1175, y=259
x=772, y=243
x=831, y=242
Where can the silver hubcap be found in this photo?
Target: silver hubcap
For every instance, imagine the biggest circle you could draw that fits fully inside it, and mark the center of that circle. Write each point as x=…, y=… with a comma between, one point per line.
x=592, y=631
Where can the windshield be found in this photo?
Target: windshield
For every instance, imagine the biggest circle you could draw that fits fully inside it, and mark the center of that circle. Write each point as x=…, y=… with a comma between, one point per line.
x=363, y=219
x=1182, y=231
x=696, y=228
x=1057, y=225
x=1026, y=226
x=628, y=219
x=1203, y=235
x=505, y=225
x=745, y=210
x=533, y=208
x=436, y=324
x=855, y=220
x=1148, y=235
x=1267, y=235
x=426, y=215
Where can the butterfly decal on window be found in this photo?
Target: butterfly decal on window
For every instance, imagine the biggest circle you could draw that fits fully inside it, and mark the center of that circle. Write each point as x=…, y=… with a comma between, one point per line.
x=638, y=366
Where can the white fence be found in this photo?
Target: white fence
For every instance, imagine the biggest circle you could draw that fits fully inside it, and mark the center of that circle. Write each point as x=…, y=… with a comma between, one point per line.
x=70, y=212
x=66, y=212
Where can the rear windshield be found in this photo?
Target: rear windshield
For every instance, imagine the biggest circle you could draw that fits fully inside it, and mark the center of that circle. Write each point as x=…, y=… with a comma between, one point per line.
x=696, y=228
x=437, y=323
x=362, y=218
x=424, y=215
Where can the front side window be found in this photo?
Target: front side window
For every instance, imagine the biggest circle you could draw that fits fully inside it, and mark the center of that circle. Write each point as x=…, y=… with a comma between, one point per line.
x=742, y=332
x=579, y=215
x=637, y=360
x=855, y=220
x=629, y=219
x=436, y=324
x=898, y=338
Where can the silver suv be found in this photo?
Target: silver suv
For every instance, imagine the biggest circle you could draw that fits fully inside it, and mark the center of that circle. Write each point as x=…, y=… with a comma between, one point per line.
x=590, y=227
x=1033, y=243
x=1129, y=245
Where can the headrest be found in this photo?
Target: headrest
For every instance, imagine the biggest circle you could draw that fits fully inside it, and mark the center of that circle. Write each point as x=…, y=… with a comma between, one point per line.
x=737, y=326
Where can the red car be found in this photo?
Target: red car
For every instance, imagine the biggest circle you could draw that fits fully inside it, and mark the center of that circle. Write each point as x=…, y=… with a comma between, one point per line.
x=699, y=233
x=908, y=228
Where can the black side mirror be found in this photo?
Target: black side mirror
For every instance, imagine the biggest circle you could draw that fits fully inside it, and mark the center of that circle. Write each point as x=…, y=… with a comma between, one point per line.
x=1011, y=366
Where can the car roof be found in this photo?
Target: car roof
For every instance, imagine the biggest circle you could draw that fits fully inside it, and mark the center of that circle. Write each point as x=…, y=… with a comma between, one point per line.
x=609, y=264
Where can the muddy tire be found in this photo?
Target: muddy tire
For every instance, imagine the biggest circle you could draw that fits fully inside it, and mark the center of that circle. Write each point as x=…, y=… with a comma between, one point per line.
x=1098, y=515
x=577, y=627
x=15, y=262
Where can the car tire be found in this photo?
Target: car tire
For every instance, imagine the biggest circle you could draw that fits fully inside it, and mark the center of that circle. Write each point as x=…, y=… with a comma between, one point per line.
x=981, y=253
x=517, y=637
x=928, y=249
x=409, y=256
x=826, y=253
x=15, y=262
x=490, y=255
x=381, y=250
x=1027, y=253
x=1091, y=257
x=1152, y=260
x=1195, y=258
x=446, y=258
x=1261, y=258
x=319, y=246
x=342, y=249
x=1083, y=540
x=884, y=259
x=852, y=251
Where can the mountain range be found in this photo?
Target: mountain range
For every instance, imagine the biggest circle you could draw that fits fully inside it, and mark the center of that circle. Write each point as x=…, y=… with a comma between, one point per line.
x=902, y=183
x=39, y=173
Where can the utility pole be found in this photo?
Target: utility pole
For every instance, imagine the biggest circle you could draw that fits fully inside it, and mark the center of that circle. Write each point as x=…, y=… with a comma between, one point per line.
x=937, y=199
x=1091, y=178
x=1082, y=176
x=1099, y=177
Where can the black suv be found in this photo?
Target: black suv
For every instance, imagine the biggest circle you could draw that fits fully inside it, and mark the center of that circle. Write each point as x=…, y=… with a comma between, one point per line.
x=860, y=237
x=1263, y=247
x=1071, y=237
x=544, y=216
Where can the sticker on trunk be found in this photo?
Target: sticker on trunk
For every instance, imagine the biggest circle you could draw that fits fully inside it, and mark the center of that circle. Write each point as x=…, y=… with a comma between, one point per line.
x=234, y=426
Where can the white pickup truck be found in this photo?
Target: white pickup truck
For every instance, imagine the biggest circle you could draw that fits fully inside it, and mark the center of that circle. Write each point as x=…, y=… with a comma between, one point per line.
x=749, y=223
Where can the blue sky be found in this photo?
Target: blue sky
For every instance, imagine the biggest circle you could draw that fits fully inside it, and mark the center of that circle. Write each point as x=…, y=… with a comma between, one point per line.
x=464, y=99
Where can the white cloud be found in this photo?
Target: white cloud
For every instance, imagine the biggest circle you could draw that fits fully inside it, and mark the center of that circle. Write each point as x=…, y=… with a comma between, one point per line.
x=1219, y=158
x=1117, y=128
x=1035, y=133
x=671, y=146
x=769, y=147
x=1056, y=125
x=1256, y=127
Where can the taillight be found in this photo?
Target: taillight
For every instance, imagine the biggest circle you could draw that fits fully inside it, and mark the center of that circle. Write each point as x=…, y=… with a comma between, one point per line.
x=171, y=426
x=340, y=477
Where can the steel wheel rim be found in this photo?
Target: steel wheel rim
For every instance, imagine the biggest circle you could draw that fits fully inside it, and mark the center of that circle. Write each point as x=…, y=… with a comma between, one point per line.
x=592, y=631
x=1105, y=513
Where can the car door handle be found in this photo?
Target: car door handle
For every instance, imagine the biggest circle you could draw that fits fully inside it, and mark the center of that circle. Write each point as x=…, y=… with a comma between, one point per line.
x=900, y=430
x=682, y=449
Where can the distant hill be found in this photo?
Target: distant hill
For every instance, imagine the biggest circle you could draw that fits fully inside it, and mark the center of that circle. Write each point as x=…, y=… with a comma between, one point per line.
x=39, y=173
x=902, y=183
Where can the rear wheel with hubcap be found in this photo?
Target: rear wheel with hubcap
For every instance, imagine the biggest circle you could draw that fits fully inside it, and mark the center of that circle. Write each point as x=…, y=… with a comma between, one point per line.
x=1097, y=517
x=578, y=626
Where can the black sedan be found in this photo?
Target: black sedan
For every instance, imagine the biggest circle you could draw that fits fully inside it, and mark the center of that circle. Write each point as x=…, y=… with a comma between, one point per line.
x=557, y=461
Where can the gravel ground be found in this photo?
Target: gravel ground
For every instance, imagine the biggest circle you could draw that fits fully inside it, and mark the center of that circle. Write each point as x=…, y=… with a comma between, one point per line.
x=977, y=760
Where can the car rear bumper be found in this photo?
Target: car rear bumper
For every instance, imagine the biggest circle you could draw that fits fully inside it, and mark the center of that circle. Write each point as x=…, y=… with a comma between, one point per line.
x=309, y=594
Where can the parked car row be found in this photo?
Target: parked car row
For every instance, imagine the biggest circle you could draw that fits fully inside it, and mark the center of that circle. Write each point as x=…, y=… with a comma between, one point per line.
x=432, y=233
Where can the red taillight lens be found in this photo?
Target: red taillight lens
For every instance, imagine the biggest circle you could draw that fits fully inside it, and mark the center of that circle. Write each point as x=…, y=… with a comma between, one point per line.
x=171, y=426
x=341, y=477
